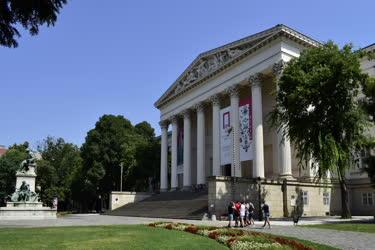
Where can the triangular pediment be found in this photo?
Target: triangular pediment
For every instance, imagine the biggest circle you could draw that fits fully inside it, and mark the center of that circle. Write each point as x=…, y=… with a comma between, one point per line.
x=210, y=62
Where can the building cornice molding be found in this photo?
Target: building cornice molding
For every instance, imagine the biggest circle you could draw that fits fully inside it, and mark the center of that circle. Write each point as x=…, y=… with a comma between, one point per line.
x=210, y=63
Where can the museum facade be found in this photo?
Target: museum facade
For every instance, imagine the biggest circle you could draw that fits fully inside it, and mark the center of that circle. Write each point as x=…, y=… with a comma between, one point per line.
x=221, y=139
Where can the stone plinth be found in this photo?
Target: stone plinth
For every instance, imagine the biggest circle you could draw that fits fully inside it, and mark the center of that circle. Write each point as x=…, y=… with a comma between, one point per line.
x=26, y=211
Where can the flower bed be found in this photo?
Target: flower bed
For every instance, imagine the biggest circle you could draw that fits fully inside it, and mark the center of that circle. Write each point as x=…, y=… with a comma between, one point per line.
x=234, y=238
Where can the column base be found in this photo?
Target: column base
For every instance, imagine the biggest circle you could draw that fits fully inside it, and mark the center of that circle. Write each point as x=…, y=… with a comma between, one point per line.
x=173, y=189
x=163, y=190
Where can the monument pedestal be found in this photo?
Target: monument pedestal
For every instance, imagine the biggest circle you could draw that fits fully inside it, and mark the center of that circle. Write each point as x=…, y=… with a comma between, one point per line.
x=25, y=204
x=26, y=211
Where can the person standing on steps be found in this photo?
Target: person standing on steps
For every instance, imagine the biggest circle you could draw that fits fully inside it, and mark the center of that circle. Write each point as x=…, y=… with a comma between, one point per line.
x=266, y=214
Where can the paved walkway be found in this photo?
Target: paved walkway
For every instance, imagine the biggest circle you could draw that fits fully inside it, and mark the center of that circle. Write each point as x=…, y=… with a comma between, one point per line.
x=339, y=239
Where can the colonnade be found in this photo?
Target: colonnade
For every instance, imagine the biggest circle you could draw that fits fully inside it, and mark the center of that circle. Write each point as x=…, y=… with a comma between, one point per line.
x=284, y=151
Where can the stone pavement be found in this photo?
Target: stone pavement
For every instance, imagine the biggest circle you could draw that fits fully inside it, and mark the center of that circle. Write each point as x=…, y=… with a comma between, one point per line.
x=339, y=239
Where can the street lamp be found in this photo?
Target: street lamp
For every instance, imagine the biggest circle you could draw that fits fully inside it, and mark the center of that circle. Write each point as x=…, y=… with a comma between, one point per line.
x=121, y=167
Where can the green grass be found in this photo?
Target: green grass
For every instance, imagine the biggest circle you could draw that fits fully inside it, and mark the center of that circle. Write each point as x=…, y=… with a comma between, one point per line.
x=102, y=237
x=355, y=227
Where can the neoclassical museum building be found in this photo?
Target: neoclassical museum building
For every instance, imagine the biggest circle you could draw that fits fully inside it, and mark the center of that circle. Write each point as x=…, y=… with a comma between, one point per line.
x=221, y=140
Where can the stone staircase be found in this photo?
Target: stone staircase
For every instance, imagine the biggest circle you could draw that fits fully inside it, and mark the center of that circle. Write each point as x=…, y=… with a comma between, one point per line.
x=174, y=205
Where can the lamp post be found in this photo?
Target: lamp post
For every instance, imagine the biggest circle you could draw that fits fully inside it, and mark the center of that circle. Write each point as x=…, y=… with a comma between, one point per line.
x=121, y=167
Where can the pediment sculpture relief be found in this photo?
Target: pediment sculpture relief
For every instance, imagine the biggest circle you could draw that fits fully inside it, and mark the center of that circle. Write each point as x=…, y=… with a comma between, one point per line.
x=207, y=65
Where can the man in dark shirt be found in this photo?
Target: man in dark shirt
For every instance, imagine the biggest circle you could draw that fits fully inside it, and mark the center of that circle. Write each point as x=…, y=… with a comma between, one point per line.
x=230, y=213
x=266, y=214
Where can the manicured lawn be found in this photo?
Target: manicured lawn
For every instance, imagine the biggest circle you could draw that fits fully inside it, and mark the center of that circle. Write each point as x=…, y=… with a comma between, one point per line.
x=356, y=227
x=103, y=237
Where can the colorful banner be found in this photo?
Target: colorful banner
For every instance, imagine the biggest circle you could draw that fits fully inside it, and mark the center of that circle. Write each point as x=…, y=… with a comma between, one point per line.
x=246, y=135
x=246, y=131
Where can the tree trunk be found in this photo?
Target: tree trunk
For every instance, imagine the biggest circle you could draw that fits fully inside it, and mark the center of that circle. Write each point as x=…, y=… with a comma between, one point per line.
x=345, y=210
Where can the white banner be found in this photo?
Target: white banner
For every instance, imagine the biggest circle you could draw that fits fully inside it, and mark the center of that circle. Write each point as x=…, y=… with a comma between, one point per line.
x=245, y=122
x=225, y=137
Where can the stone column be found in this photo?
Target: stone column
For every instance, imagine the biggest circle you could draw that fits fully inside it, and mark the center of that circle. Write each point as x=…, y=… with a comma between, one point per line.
x=216, y=171
x=164, y=157
x=187, y=150
x=284, y=149
x=256, y=96
x=174, y=153
x=235, y=123
x=201, y=145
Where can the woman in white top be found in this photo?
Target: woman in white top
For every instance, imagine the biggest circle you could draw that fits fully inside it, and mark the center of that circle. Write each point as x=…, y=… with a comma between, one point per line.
x=242, y=213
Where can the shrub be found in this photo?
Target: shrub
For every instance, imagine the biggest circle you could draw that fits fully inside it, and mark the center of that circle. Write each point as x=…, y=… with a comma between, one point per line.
x=191, y=229
x=244, y=245
x=292, y=243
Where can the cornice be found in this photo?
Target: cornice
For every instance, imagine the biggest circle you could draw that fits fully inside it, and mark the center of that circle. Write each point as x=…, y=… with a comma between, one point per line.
x=265, y=37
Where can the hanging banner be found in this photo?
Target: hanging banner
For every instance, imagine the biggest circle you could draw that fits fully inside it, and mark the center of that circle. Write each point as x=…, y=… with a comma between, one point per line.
x=225, y=137
x=246, y=131
x=246, y=135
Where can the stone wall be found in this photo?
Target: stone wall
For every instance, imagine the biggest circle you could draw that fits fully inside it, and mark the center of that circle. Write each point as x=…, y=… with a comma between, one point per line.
x=357, y=189
x=222, y=190
x=119, y=199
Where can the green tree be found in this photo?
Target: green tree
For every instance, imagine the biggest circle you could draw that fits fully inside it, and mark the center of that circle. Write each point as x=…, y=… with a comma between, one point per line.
x=147, y=168
x=28, y=14
x=369, y=105
x=9, y=164
x=318, y=106
x=113, y=141
x=56, y=171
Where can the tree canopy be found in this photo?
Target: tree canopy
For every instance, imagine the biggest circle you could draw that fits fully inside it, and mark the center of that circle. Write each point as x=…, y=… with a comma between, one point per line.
x=369, y=106
x=57, y=170
x=318, y=106
x=115, y=141
x=28, y=14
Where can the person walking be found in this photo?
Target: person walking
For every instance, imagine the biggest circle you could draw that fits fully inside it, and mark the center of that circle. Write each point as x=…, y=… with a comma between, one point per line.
x=266, y=214
x=231, y=208
x=242, y=213
x=251, y=214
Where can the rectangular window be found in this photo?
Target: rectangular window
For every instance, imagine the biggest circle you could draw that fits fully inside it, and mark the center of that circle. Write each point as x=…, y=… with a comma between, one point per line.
x=305, y=197
x=368, y=199
x=364, y=199
x=326, y=198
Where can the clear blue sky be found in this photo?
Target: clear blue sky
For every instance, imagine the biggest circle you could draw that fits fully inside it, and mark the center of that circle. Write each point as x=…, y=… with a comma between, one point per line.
x=118, y=57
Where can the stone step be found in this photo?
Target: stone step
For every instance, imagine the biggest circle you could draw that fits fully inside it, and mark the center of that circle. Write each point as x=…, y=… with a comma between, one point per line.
x=176, y=205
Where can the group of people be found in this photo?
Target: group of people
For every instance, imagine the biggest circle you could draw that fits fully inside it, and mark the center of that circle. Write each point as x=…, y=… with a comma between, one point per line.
x=242, y=214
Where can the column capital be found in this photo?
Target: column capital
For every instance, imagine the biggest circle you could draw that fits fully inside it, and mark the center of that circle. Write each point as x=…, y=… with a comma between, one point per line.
x=199, y=106
x=186, y=113
x=278, y=68
x=164, y=124
x=174, y=119
x=215, y=99
x=233, y=91
x=256, y=79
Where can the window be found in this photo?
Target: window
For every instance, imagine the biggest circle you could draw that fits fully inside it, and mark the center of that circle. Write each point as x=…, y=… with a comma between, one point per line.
x=326, y=198
x=368, y=199
x=305, y=197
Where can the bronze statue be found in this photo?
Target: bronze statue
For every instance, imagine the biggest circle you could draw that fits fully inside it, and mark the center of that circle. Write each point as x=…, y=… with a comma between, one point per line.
x=29, y=161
